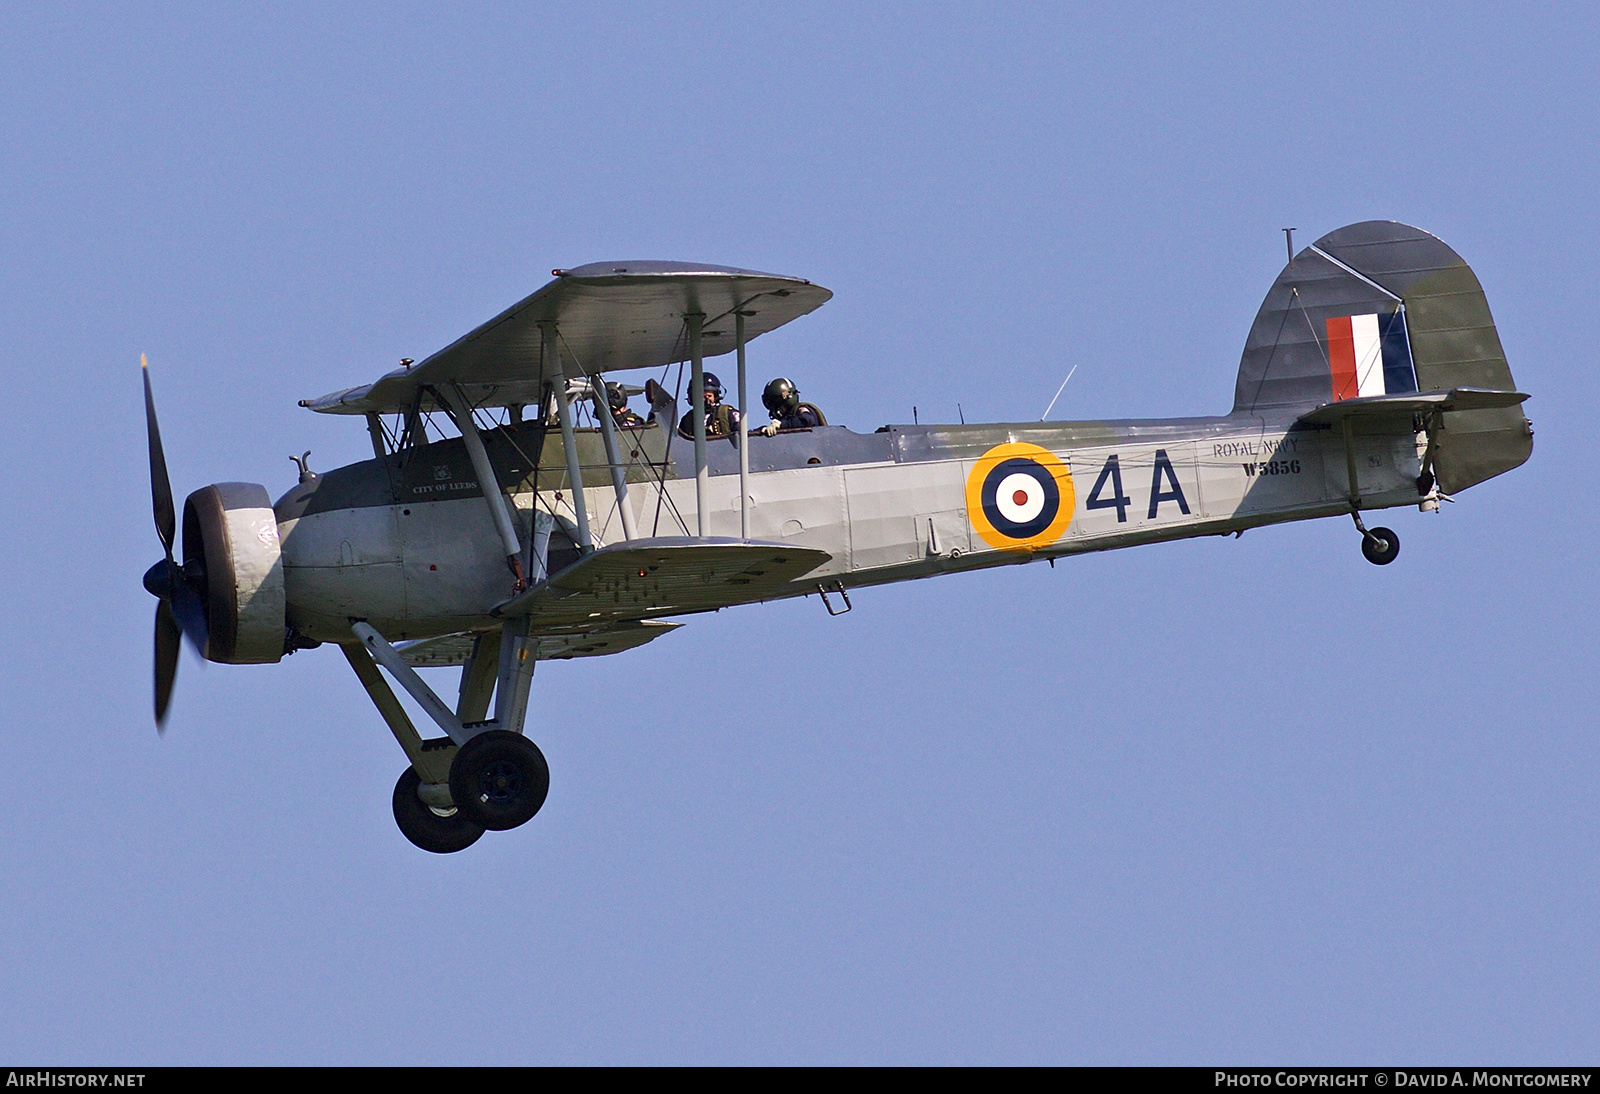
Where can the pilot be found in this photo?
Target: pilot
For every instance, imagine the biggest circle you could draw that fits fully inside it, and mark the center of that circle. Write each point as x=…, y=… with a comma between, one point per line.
x=722, y=420
x=625, y=418
x=782, y=400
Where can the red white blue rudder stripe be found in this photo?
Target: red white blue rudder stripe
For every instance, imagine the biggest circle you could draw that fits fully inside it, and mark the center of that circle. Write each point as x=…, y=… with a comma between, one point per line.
x=1370, y=355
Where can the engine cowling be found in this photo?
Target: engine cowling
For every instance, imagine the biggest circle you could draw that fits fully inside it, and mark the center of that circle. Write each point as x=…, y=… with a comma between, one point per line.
x=232, y=555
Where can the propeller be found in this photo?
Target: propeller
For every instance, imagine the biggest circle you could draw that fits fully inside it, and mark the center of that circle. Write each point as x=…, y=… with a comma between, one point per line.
x=181, y=609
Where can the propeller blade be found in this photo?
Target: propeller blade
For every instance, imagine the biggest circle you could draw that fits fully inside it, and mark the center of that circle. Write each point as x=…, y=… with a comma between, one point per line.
x=188, y=610
x=167, y=640
x=160, y=484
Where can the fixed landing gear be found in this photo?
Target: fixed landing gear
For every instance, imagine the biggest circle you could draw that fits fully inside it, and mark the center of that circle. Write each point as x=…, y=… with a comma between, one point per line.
x=437, y=830
x=1380, y=546
x=499, y=779
x=464, y=783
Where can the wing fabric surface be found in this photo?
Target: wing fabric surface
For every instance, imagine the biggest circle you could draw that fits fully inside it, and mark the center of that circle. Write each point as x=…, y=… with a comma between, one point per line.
x=611, y=316
x=450, y=650
x=658, y=577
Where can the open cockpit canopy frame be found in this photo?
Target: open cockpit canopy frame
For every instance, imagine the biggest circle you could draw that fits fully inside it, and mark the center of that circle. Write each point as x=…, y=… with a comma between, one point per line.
x=610, y=316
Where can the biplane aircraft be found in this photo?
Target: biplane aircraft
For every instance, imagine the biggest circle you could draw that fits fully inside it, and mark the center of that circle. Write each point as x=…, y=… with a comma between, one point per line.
x=505, y=518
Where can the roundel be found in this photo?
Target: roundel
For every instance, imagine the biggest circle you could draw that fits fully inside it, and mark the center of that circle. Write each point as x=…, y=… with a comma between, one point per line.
x=1020, y=497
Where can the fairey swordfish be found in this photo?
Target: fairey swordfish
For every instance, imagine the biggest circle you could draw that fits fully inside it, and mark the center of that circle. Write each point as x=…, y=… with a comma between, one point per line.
x=505, y=517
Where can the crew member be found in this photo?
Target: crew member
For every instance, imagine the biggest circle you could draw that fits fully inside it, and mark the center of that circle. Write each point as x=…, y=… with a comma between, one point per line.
x=624, y=417
x=782, y=400
x=722, y=420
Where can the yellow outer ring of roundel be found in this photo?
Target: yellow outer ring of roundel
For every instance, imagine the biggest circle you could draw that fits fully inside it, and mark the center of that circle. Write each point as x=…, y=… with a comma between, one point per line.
x=1045, y=459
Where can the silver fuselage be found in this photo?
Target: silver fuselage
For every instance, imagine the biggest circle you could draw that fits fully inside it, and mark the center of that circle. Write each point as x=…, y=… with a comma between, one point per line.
x=407, y=542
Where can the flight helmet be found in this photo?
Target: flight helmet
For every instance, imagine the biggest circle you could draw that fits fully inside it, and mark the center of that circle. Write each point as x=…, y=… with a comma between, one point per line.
x=781, y=397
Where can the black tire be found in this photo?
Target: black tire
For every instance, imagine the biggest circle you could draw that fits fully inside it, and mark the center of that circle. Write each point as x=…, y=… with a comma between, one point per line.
x=426, y=828
x=1381, y=546
x=499, y=779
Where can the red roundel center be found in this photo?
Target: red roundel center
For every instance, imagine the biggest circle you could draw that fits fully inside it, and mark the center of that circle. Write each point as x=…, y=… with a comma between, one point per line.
x=1020, y=498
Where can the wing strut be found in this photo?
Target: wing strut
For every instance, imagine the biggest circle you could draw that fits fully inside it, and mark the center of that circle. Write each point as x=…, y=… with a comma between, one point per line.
x=697, y=400
x=569, y=441
x=487, y=481
x=744, y=431
x=619, y=474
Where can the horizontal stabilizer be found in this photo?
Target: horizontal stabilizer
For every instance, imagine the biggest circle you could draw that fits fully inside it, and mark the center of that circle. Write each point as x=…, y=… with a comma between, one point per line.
x=1413, y=402
x=450, y=650
x=669, y=576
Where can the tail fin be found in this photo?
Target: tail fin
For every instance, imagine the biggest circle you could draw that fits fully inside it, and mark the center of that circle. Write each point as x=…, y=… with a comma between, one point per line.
x=1380, y=308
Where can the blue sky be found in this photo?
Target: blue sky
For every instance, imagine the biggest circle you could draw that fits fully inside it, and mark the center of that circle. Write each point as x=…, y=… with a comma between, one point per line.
x=1239, y=801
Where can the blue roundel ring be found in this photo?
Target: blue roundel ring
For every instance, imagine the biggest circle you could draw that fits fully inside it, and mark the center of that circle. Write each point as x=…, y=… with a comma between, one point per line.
x=1031, y=509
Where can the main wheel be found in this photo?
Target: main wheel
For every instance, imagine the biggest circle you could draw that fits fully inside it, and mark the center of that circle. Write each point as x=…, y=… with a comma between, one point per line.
x=1380, y=545
x=424, y=825
x=499, y=779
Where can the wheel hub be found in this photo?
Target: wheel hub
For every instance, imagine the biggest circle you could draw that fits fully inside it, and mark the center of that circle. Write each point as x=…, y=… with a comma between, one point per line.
x=501, y=782
x=499, y=779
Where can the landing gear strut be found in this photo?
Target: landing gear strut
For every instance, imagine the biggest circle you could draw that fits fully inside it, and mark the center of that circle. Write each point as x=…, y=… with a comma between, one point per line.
x=478, y=777
x=1380, y=546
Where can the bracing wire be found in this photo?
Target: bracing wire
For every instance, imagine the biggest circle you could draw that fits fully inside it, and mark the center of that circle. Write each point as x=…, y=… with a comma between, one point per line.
x=656, y=475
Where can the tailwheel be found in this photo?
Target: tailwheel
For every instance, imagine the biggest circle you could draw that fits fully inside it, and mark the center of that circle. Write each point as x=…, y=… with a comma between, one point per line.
x=1380, y=546
x=439, y=831
x=499, y=779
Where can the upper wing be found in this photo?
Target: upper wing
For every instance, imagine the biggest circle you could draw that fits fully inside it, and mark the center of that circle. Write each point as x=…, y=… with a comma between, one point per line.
x=611, y=315
x=639, y=578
